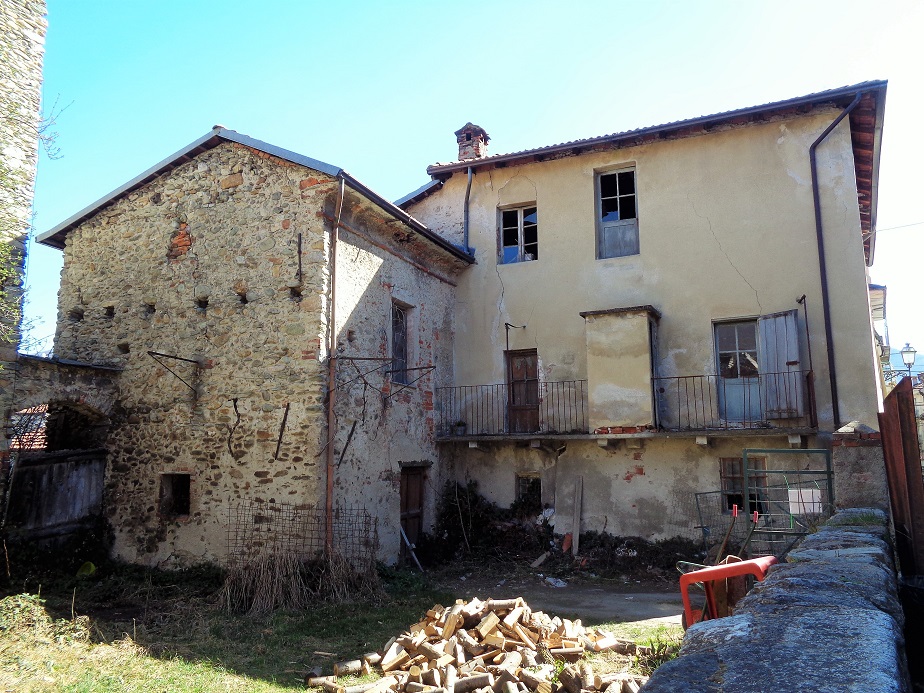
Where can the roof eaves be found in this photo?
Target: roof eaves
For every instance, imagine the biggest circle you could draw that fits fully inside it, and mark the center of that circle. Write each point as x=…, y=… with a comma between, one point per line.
x=809, y=99
x=403, y=216
x=423, y=191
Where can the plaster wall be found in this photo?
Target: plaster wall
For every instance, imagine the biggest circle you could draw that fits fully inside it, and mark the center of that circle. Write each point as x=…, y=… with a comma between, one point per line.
x=395, y=424
x=647, y=490
x=619, y=363
x=726, y=229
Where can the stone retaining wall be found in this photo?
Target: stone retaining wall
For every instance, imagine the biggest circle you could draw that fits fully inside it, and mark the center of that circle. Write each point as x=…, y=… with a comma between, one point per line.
x=827, y=620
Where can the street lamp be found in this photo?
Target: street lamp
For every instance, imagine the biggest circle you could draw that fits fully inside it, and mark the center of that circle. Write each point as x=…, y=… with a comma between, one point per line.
x=908, y=353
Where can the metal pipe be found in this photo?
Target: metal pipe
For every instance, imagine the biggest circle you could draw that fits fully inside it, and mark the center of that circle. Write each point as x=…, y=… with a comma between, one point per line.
x=332, y=376
x=468, y=192
x=822, y=266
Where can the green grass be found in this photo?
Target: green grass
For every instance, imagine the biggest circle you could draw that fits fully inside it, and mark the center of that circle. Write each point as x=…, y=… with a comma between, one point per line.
x=151, y=631
x=132, y=629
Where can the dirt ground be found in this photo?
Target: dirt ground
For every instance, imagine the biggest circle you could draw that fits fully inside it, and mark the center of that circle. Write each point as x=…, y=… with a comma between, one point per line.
x=591, y=600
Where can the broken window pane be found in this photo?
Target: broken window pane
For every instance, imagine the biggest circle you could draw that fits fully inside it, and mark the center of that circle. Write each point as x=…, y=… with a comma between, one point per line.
x=529, y=216
x=609, y=209
x=398, y=343
x=748, y=366
x=519, y=235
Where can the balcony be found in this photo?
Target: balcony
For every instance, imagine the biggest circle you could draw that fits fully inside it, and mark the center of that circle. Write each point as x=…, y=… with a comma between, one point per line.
x=711, y=402
x=524, y=408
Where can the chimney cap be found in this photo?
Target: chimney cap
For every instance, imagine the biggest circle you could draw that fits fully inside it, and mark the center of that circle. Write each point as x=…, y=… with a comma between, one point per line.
x=475, y=130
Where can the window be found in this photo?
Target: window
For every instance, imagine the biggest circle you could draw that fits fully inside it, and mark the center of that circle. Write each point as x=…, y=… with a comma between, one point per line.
x=174, y=495
x=519, y=235
x=617, y=234
x=399, y=315
x=738, y=382
x=731, y=473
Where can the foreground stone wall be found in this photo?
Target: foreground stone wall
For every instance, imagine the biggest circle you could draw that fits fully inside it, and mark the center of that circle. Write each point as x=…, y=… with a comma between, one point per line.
x=829, y=620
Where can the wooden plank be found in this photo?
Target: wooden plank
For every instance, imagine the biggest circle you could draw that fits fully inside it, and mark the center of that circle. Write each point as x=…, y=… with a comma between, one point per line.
x=576, y=515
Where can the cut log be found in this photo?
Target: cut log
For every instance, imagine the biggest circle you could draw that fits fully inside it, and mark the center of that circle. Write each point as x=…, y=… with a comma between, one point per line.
x=502, y=604
x=372, y=658
x=513, y=616
x=532, y=679
x=630, y=686
x=488, y=623
x=450, y=677
x=431, y=651
x=432, y=678
x=529, y=639
x=453, y=621
x=472, y=682
x=332, y=686
x=568, y=678
x=394, y=658
x=314, y=681
x=568, y=653
x=352, y=666
x=587, y=675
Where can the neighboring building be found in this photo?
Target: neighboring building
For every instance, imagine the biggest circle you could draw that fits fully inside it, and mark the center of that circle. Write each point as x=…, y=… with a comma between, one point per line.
x=222, y=261
x=605, y=324
x=633, y=321
x=22, y=42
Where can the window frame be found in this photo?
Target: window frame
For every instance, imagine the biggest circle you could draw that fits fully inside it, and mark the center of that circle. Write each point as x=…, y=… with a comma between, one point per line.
x=400, y=363
x=731, y=483
x=521, y=212
x=601, y=227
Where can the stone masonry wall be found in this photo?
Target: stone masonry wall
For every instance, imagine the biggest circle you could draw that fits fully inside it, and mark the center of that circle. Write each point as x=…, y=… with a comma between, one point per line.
x=202, y=264
x=828, y=620
x=22, y=39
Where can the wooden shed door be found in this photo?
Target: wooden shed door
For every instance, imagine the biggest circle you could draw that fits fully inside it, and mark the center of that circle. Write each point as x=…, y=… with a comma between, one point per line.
x=412, y=487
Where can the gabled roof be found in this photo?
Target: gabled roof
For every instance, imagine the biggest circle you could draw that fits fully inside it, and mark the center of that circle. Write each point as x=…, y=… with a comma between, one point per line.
x=866, y=134
x=55, y=237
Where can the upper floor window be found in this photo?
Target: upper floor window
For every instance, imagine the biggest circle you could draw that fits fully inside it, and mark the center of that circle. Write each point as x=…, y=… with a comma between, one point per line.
x=519, y=235
x=399, y=342
x=617, y=220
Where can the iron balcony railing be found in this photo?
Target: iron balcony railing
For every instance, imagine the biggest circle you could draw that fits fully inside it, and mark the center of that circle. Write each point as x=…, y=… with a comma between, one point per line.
x=496, y=410
x=708, y=402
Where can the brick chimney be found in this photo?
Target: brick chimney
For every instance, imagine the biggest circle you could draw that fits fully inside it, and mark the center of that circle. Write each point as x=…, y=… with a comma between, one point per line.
x=473, y=142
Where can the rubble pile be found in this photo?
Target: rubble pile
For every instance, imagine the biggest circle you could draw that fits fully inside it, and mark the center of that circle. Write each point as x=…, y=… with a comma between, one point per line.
x=493, y=646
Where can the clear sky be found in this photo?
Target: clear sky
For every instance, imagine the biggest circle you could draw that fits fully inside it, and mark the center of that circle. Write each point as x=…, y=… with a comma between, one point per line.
x=379, y=87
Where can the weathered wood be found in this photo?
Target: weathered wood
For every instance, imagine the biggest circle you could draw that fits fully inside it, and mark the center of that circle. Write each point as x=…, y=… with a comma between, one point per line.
x=352, y=666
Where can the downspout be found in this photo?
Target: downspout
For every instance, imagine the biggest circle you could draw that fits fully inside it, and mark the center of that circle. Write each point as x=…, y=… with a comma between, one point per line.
x=822, y=266
x=332, y=376
x=468, y=192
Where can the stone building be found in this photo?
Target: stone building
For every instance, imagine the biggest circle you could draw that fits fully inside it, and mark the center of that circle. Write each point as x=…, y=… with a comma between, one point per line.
x=212, y=280
x=640, y=330
x=22, y=41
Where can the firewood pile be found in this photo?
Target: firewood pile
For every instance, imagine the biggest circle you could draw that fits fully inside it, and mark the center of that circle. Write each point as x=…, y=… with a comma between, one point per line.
x=493, y=646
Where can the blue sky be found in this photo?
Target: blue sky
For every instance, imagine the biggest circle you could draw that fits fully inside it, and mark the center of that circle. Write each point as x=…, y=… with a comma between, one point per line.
x=379, y=87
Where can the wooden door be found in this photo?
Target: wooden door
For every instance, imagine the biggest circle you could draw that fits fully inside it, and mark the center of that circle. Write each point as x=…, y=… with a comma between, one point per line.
x=523, y=391
x=412, y=489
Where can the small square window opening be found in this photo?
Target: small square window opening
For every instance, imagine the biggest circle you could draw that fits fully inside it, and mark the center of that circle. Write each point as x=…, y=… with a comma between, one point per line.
x=174, y=495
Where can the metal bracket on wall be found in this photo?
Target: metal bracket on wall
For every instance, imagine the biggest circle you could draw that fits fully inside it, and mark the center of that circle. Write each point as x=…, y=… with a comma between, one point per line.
x=157, y=356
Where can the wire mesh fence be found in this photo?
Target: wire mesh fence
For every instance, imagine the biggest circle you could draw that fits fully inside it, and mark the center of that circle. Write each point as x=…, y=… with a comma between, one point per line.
x=277, y=556
x=790, y=501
